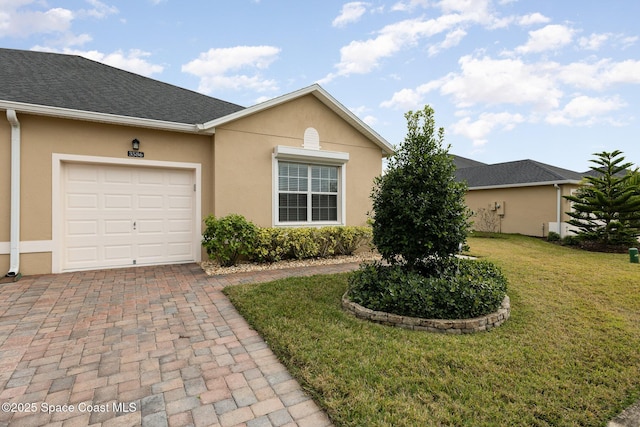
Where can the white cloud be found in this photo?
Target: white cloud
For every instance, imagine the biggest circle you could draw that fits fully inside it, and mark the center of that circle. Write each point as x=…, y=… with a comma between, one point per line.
x=411, y=99
x=361, y=57
x=351, y=12
x=585, y=111
x=623, y=72
x=506, y=81
x=533, y=19
x=452, y=39
x=364, y=56
x=551, y=37
x=19, y=23
x=625, y=42
x=99, y=10
x=479, y=129
x=220, y=68
x=594, y=41
x=599, y=75
x=408, y=6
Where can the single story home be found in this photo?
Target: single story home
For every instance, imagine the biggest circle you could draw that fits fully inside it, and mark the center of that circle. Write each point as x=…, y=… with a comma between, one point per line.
x=103, y=168
x=524, y=196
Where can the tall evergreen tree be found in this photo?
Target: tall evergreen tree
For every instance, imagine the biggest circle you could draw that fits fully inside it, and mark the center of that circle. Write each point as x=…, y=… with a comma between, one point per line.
x=419, y=210
x=606, y=207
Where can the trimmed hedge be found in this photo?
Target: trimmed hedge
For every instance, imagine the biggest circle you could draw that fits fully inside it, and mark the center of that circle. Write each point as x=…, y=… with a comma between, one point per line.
x=464, y=289
x=267, y=245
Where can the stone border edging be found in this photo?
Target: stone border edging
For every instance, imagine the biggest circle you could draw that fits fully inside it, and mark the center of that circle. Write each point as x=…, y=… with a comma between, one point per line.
x=461, y=326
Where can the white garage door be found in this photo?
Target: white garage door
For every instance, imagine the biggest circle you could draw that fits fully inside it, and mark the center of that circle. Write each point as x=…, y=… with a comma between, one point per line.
x=115, y=216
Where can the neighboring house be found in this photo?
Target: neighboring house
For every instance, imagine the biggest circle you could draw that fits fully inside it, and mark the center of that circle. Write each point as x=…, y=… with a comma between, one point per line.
x=523, y=196
x=103, y=168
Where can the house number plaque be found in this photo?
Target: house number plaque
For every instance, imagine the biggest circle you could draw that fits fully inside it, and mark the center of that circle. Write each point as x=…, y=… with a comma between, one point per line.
x=135, y=153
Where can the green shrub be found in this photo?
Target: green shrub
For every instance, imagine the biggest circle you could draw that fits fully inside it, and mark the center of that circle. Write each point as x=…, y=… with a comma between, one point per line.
x=303, y=242
x=328, y=240
x=271, y=245
x=228, y=238
x=463, y=289
x=349, y=239
x=553, y=237
x=571, y=240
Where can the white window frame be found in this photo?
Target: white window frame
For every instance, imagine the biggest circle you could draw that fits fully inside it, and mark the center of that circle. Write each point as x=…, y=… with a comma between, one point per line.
x=282, y=153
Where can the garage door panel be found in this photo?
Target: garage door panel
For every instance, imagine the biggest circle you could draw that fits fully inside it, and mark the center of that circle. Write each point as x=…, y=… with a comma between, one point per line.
x=118, y=201
x=118, y=175
x=82, y=174
x=179, y=202
x=146, y=201
x=117, y=253
x=151, y=177
x=83, y=228
x=81, y=201
x=180, y=180
x=120, y=216
x=180, y=226
x=116, y=227
x=151, y=227
x=82, y=254
x=178, y=250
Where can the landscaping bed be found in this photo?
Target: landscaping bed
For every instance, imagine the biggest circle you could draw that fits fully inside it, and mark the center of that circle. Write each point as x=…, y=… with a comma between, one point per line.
x=568, y=355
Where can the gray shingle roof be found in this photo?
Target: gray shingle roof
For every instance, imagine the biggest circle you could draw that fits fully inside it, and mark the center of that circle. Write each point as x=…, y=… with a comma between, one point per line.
x=463, y=162
x=513, y=173
x=77, y=83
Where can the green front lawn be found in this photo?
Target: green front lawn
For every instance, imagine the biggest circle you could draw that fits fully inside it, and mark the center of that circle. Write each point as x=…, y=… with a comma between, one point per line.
x=568, y=356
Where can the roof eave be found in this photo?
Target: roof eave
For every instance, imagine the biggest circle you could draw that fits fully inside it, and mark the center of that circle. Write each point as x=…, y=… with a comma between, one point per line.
x=525, y=184
x=66, y=113
x=324, y=97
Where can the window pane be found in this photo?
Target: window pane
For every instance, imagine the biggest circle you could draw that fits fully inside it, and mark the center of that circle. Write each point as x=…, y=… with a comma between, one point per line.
x=294, y=189
x=292, y=207
x=324, y=207
x=292, y=177
x=324, y=179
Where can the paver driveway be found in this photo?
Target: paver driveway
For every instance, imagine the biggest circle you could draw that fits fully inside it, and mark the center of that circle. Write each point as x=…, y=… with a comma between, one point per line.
x=150, y=346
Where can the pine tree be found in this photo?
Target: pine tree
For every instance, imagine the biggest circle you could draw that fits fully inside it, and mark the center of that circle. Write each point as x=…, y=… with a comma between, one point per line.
x=606, y=207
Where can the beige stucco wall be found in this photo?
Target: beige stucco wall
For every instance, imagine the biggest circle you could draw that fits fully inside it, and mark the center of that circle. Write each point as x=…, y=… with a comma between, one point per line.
x=526, y=209
x=236, y=164
x=246, y=188
x=43, y=136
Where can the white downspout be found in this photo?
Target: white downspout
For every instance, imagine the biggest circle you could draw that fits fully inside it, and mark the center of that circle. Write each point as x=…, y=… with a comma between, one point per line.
x=14, y=254
x=559, y=207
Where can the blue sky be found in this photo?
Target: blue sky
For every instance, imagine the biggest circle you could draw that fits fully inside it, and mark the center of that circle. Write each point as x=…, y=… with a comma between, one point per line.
x=549, y=80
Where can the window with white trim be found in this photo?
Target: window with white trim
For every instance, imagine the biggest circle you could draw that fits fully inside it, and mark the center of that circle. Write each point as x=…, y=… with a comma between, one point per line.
x=307, y=192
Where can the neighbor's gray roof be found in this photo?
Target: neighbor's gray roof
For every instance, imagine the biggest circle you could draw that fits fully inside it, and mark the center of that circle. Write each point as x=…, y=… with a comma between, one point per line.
x=463, y=162
x=77, y=83
x=521, y=172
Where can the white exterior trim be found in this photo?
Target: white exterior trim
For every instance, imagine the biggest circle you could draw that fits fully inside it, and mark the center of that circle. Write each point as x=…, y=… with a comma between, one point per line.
x=28, y=246
x=284, y=152
x=307, y=156
x=524, y=184
x=67, y=113
x=56, y=195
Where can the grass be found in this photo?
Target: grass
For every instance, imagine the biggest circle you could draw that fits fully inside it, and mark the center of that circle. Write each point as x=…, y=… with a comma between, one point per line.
x=568, y=356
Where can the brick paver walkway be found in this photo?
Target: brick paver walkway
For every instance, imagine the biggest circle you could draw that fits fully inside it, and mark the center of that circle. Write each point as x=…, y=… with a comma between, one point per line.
x=150, y=346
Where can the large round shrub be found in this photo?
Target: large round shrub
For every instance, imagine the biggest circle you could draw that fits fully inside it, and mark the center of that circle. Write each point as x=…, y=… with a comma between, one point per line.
x=462, y=289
